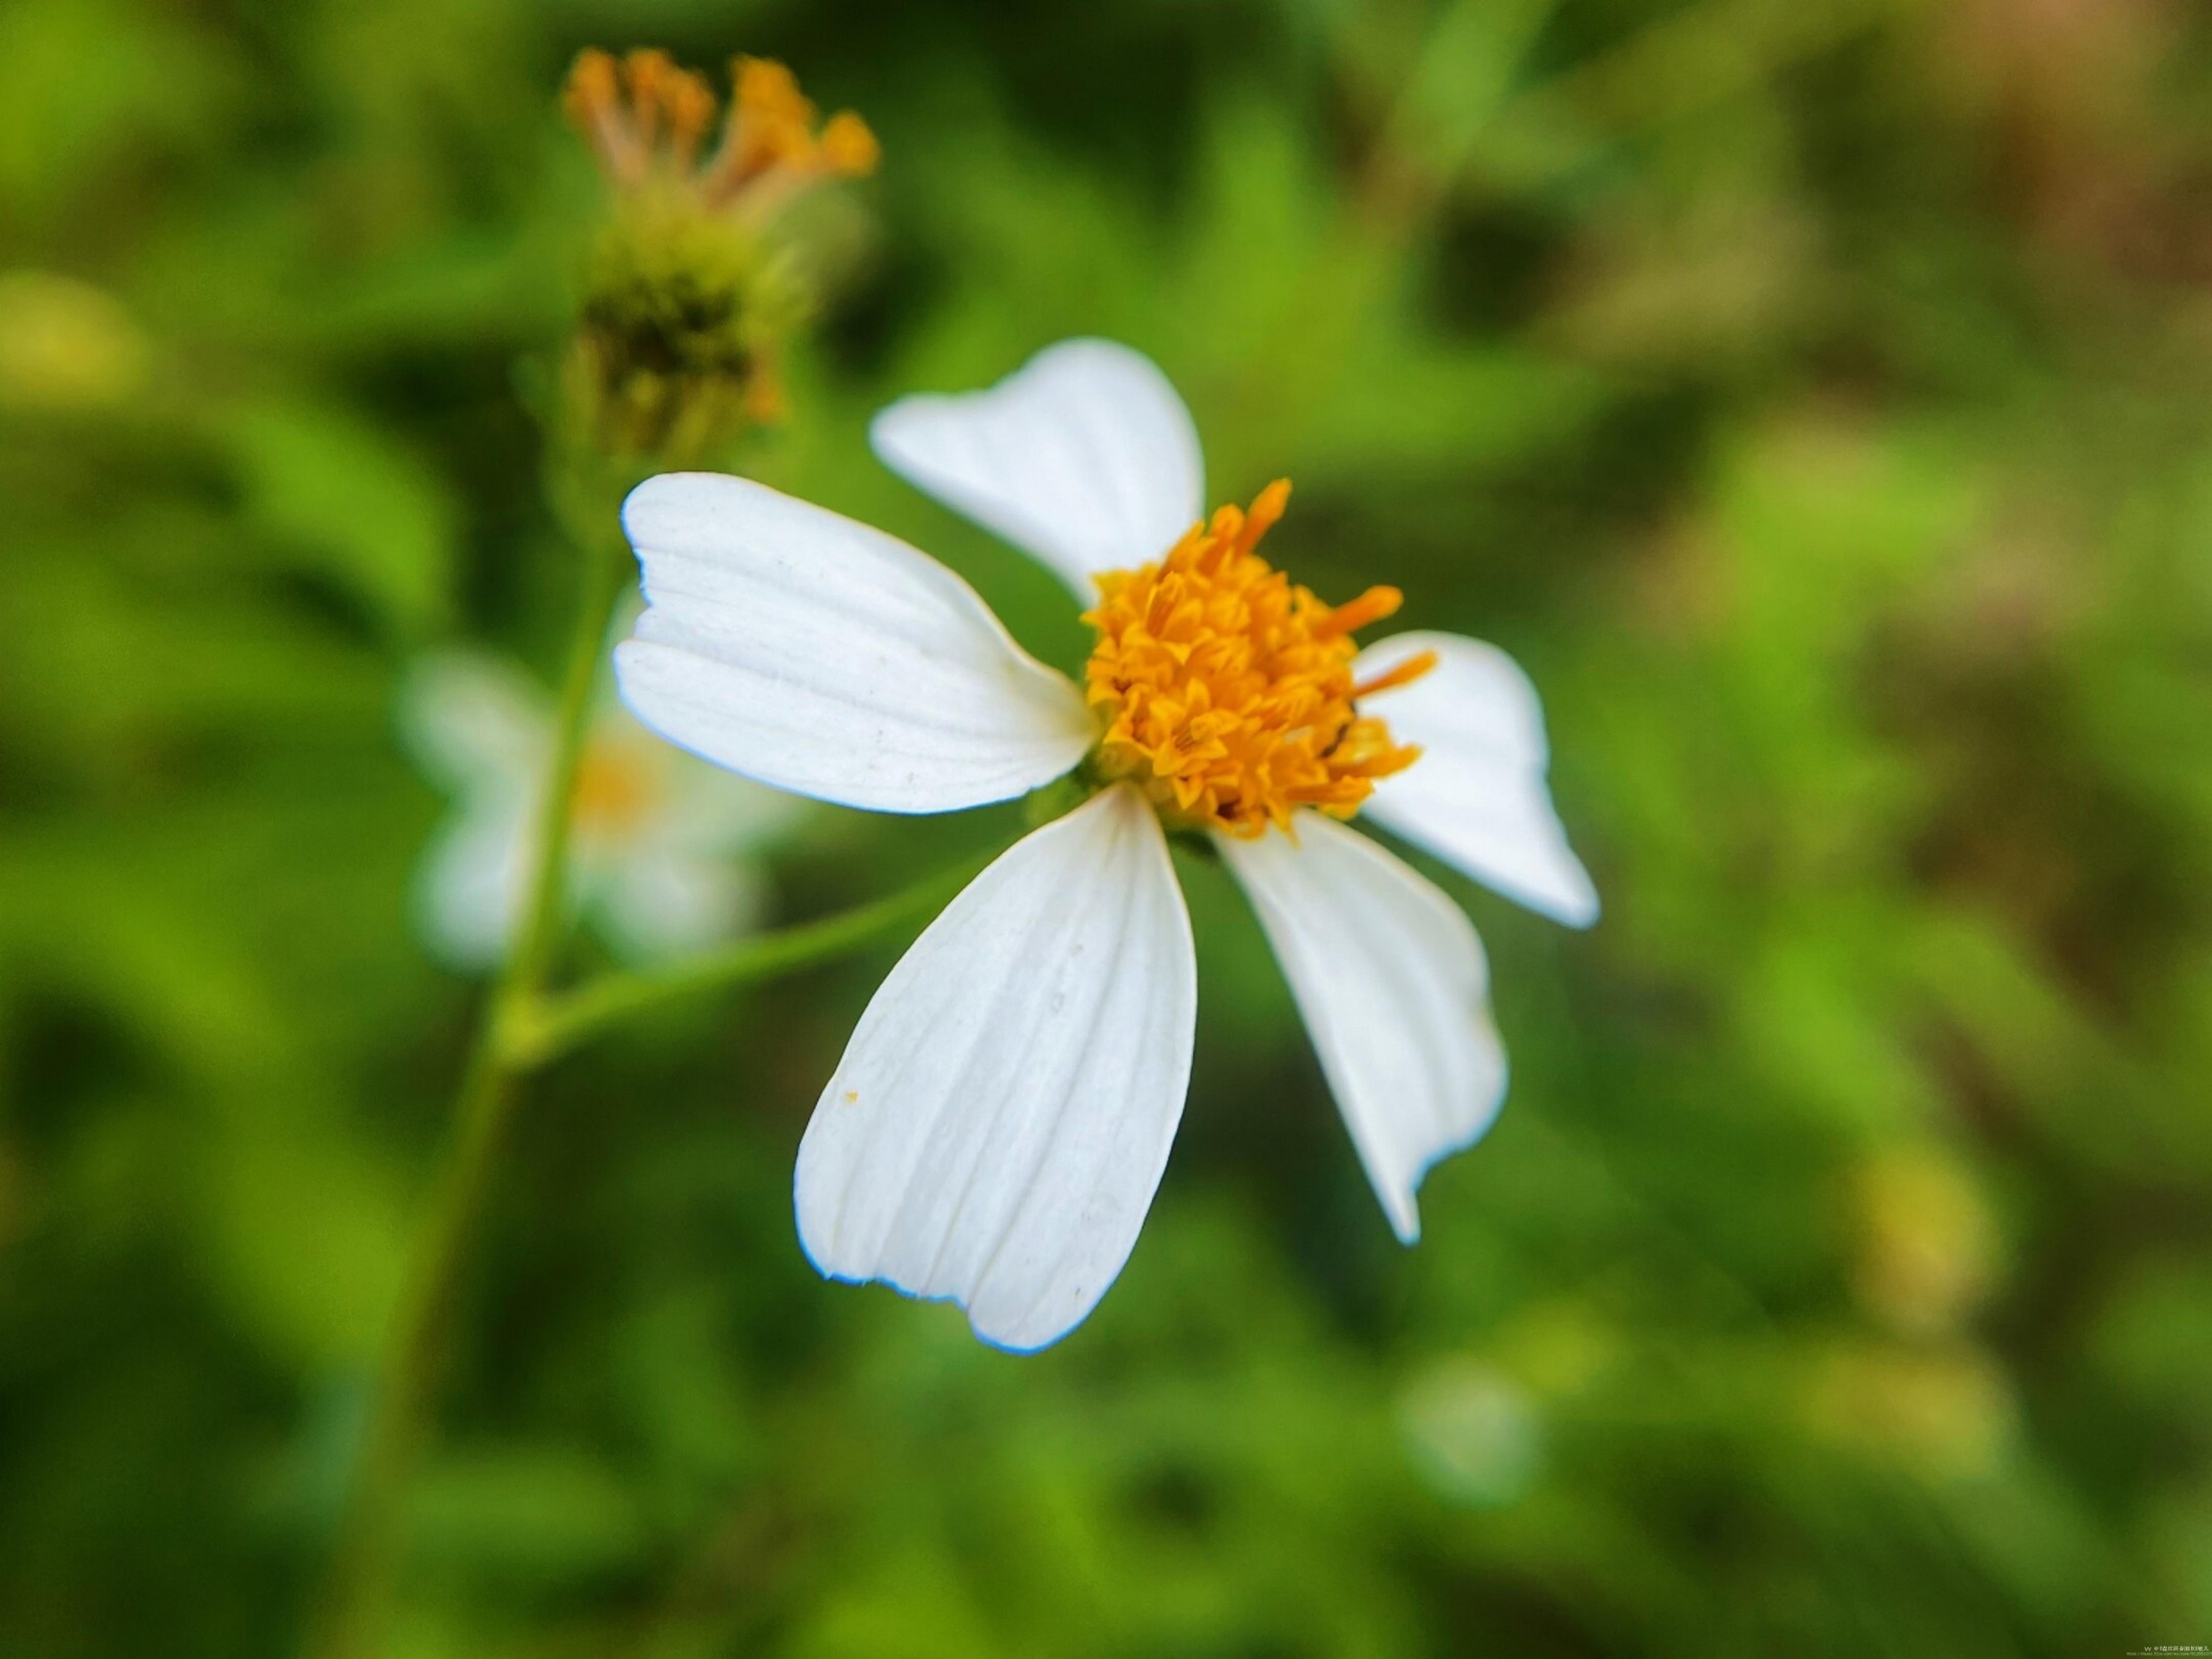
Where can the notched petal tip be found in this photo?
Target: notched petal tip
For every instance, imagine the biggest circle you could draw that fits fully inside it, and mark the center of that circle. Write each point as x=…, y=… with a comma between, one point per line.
x=1391, y=981
x=1000, y=1119
x=1084, y=457
x=1479, y=798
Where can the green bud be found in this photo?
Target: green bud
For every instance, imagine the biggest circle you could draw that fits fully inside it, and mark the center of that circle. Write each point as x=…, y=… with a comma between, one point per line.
x=676, y=350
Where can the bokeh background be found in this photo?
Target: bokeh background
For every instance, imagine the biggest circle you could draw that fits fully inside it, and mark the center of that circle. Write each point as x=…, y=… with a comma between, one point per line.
x=1816, y=397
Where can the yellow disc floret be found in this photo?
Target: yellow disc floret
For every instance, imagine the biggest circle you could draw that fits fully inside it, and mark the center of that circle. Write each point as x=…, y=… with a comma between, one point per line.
x=1227, y=691
x=622, y=784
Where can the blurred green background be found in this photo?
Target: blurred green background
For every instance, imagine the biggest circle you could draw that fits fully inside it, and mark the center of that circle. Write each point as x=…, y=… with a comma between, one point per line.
x=1814, y=395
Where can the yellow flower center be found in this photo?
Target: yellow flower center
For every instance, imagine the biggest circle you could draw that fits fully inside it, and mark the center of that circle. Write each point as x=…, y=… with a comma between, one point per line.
x=1227, y=691
x=619, y=786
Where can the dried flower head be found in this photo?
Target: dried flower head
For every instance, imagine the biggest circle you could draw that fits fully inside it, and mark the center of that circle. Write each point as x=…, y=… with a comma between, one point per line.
x=647, y=121
x=694, y=284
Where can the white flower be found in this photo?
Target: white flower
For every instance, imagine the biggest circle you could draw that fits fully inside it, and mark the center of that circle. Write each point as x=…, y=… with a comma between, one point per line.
x=1000, y=1121
x=1472, y=1432
x=658, y=849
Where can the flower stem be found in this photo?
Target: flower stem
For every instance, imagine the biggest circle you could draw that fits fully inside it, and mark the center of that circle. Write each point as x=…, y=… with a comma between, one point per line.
x=414, y=1345
x=548, y=1028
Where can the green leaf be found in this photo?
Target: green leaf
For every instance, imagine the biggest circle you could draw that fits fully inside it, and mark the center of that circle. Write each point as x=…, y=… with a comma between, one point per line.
x=349, y=501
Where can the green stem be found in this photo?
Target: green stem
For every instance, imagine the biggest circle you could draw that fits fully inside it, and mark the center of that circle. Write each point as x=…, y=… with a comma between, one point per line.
x=522, y=1028
x=408, y=1367
x=361, y=1570
x=548, y=1028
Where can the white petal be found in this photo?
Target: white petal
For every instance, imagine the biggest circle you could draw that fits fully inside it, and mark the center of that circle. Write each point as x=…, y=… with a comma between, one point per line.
x=1000, y=1119
x=1391, y=981
x=1477, y=796
x=1084, y=456
x=472, y=721
x=659, y=902
x=468, y=890
x=816, y=654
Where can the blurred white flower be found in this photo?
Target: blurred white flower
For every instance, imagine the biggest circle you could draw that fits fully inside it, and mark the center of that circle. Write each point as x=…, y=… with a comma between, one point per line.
x=1000, y=1119
x=661, y=854
x=1472, y=1432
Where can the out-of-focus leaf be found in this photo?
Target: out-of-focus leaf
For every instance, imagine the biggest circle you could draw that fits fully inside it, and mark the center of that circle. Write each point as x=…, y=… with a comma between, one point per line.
x=527, y=1513
x=81, y=80
x=350, y=504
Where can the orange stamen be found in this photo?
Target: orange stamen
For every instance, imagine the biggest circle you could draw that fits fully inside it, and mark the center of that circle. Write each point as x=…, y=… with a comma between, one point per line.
x=1267, y=507
x=1369, y=608
x=690, y=103
x=646, y=117
x=1404, y=674
x=592, y=90
x=849, y=147
x=645, y=69
x=1226, y=690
